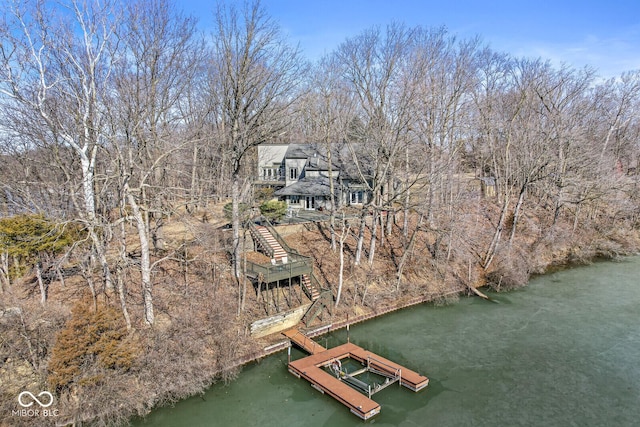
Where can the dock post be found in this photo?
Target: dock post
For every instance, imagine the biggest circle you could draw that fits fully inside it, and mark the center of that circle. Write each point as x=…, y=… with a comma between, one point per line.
x=289, y=353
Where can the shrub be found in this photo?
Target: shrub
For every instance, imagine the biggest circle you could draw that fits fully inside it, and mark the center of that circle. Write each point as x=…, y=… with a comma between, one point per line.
x=91, y=341
x=273, y=210
x=509, y=274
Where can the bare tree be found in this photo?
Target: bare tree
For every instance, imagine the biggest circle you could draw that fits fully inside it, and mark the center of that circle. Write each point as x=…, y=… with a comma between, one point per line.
x=530, y=126
x=373, y=65
x=446, y=70
x=323, y=113
x=344, y=233
x=55, y=62
x=161, y=53
x=497, y=108
x=253, y=77
x=552, y=130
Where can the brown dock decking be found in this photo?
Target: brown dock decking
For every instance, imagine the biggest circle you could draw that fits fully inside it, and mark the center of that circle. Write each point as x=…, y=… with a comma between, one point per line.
x=303, y=341
x=310, y=368
x=408, y=378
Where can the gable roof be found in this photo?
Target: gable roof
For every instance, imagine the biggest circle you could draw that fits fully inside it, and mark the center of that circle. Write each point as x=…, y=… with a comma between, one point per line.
x=341, y=158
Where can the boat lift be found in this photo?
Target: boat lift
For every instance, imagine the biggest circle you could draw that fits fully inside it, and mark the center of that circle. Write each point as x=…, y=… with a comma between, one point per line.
x=391, y=375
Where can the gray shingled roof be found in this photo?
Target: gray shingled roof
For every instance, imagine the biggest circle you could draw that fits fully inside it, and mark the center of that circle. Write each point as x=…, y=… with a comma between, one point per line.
x=317, y=186
x=299, y=151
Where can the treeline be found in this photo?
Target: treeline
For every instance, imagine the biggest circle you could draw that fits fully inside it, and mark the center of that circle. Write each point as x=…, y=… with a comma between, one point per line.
x=116, y=116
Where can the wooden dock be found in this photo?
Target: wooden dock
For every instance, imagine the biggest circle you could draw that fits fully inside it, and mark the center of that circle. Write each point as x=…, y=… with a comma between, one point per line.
x=311, y=369
x=408, y=378
x=303, y=341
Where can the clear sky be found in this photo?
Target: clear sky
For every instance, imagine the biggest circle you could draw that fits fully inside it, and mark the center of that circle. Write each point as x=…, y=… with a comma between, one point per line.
x=602, y=33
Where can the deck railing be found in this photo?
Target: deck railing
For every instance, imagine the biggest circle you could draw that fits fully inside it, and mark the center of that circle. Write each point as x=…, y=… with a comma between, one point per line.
x=297, y=266
x=292, y=254
x=271, y=273
x=277, y=178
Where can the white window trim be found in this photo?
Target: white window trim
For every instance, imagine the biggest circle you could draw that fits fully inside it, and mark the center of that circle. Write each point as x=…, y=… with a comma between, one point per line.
x=293, y=173
x=356, y=197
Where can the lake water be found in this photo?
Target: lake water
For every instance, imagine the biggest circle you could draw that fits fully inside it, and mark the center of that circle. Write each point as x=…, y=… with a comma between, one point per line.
x=564, y=351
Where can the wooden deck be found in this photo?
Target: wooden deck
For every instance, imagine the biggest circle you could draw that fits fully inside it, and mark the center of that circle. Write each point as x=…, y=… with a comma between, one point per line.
x=408, y=378
x=311, y=369
x=303, y=341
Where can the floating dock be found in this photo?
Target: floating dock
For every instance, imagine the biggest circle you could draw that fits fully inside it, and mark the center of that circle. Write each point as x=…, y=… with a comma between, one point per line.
x=312, y=367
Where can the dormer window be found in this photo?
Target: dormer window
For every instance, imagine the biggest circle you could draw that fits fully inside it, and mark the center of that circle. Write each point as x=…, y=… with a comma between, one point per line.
x=293, y=173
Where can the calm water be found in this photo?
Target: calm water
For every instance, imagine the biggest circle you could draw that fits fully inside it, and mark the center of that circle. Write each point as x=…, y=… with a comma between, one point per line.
x=565, y=351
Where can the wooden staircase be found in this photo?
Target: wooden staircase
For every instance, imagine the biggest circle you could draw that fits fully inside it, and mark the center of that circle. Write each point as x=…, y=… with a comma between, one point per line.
x=287, y=263
x=310, y=289
x=269, y=244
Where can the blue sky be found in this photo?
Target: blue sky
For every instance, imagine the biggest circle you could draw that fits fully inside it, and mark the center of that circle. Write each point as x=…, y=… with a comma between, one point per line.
x=604, y=34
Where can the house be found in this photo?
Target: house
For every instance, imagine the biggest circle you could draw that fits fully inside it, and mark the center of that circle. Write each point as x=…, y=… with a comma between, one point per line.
x=299, y=174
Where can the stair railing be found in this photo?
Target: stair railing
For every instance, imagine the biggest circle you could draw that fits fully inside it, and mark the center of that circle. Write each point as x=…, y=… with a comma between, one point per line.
x=316, y=282
x=324, y=301
x=262, y=242
x=307, y=288
x=280, y=240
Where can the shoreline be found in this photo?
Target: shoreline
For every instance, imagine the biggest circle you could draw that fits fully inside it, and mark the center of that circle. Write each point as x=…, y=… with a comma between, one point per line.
x=316, y=331
x=335, y=326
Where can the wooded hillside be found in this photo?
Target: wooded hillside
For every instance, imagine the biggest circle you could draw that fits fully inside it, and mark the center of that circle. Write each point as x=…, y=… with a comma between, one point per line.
x=124, y=132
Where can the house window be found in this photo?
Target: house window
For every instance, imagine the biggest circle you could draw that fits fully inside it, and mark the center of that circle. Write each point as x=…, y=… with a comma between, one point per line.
x=356, y=197
x=270, y=174
x=294, y=200
x=309, y=203
x=293, y=173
